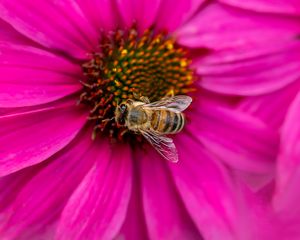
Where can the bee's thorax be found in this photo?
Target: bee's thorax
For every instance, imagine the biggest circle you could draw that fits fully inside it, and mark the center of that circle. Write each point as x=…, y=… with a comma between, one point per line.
x=137, y=116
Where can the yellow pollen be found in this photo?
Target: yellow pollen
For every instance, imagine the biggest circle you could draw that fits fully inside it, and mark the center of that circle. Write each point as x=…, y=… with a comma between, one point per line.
x=124, y=52
x=118, y=84
x=183, y=63
x=170, y=45
x=157, y=40
x=189, y=77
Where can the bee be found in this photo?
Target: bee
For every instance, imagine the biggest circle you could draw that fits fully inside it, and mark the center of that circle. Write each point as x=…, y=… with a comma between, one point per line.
x=155, y=120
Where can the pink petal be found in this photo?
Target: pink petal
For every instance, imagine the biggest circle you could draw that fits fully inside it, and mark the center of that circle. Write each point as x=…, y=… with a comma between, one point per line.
x=251, y=75
x=165, y=214
x=223, y=27
x=31, y=137
x=98, y=206
x=143, y=13
x=38, y=207
x=287, y=195
x=9, y=34
x=32, y=76
x=266, y=106
x=58, y=25
x=101, y=13
x=11, y=185
x=208, y=194
x=172, y=15
x=265, y=223
x=272, y=6
x=240, y=140
x=134, y=226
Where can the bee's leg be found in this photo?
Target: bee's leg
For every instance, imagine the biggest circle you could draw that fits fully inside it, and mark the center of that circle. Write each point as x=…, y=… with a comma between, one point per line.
x=136, y=95
x=129, y=101
x=144, y=99
x=140, y=97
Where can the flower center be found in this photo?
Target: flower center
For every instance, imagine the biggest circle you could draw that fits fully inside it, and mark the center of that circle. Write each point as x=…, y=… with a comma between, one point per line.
x=128, y=65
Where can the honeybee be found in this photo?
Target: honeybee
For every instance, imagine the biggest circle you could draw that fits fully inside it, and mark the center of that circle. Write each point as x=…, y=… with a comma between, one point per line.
x=155, y=120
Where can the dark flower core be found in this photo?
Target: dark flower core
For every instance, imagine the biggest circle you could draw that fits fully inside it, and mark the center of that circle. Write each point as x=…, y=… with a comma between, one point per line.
x=128, y=65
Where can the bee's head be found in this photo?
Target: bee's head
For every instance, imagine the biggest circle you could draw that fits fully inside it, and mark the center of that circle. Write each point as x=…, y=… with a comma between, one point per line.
x=121, y=114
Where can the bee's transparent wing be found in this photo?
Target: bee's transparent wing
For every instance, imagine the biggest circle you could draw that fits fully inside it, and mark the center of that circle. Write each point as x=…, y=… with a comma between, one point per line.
x=162, y=144
x=177, y=103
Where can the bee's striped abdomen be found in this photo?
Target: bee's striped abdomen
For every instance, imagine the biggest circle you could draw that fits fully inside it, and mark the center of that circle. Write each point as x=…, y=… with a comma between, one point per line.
x=168, y=122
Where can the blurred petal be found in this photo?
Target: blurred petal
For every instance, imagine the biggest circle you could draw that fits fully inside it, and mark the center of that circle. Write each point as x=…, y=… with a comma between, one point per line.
x=144, y=12
x=32, y=76
x=266, y=106
x=208, y=193
x=31, y=137
x=263, y=72
x=291, y=7
x=101, y=13
x=98, y=206
x=222, y=27
x=43, y=198
x=11, y=35
x=240, y=140
x=174, y=14
x=59, y=25
x=12, y=184
x=165, y=214
x=135, y=214
x=288, y=173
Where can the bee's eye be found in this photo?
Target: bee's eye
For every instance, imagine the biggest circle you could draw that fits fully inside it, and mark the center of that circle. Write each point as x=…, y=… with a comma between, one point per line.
x=123, y=107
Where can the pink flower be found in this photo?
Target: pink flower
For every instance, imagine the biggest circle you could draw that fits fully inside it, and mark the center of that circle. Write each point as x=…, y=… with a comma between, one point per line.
x=58, y=183
x=275, y=63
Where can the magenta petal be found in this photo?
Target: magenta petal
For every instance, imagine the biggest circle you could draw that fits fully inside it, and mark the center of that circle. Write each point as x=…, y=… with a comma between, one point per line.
x=222, y=27
x=144, y=12
x=278, y=6
x=98, y=206
x=55, y=24
x=266, y=106
x=12, y=184
x=101, y=13
x=9, y=34
x=208, y=193
x=134, y=226
x=240, y=140
x=165, y=214
x=31, y=76
x=31, y=137
x=172, y=14
x=43, y=205
x=255, y=75
x=288, y=173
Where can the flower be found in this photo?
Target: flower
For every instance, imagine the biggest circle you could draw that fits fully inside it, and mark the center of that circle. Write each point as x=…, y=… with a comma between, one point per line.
x=275, y=203
x=58, y=183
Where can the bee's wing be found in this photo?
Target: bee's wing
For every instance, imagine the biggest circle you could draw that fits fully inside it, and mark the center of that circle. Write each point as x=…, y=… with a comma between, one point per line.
x=162, y=144
x=177, y=103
